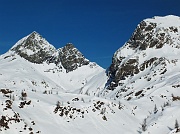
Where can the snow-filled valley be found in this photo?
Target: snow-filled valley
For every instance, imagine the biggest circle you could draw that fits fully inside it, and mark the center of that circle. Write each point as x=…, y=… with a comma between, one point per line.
x=47, y=90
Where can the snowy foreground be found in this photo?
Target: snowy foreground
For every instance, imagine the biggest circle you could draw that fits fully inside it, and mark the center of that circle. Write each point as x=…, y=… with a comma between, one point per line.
x=45, y=98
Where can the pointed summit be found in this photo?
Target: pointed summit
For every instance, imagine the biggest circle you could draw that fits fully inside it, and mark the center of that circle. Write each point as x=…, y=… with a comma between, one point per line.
x=34, y=34
x=33, y=48
x=36, y=49
x=71, y=58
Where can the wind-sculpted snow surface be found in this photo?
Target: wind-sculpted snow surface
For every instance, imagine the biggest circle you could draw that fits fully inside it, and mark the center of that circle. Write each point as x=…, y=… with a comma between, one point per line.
x=47, y=90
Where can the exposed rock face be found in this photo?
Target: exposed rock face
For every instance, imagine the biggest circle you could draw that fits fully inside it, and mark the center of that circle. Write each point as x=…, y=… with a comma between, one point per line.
x=71, y=58
x=34, y=48
x=151, y=35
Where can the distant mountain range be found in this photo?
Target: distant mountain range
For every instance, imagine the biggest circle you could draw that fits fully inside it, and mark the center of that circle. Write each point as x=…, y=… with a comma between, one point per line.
x=47, y=90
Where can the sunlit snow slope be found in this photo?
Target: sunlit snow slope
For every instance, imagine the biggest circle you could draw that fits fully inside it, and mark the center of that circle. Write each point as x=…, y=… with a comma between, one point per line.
x=48, y=90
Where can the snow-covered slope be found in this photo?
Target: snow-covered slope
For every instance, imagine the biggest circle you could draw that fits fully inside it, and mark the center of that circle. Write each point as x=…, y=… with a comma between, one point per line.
x=48, y=90
x=43, y=80
x=36, y=59
x=145, y=72
x=150, y=55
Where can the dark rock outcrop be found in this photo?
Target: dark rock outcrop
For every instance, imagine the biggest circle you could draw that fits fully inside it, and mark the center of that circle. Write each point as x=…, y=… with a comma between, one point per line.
x=34, y=48
x=71, y=58
x=133, y=58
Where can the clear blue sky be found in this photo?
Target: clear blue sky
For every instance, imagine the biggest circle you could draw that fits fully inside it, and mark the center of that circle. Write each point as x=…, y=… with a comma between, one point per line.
x=96, y=27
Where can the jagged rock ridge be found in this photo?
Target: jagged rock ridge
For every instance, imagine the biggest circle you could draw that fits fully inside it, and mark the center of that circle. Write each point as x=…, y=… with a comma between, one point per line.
x=36, y=49
x=144, y=85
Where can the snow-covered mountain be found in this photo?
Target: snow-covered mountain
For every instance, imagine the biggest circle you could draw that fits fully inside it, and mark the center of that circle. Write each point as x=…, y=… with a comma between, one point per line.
x=34, y=48
x=48, y=90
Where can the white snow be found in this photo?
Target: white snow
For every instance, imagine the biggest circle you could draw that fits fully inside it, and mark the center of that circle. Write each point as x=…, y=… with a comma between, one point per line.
x=165, y=21
x=87, y=106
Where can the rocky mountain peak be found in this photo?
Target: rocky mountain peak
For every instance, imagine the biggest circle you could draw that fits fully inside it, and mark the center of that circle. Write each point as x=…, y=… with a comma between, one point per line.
x=156, y=32
x=143, y=87
x=33, y=48
x=33, y=34
x=154, y=42
x=36, y=49
x=71, y=58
